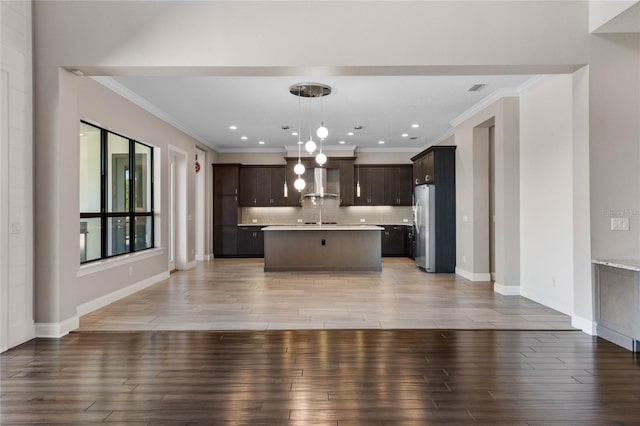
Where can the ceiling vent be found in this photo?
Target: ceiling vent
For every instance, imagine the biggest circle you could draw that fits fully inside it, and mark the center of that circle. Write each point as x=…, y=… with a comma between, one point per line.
x=285, y=127
x=413, y=138
x=358, y=127
x=476, y=87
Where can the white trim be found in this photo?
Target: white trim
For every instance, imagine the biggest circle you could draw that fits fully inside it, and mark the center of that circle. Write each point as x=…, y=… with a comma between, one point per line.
x=481, y=276
x=493, y=276
x=204, y=258
x=4, y=212
x=136, y=99
x=107, y=299
x=484, y=103
x=103, y=265
x=190, y=265
x=57, y=329
x=587, y=326
x=249, y=150
x=506, y=290
x=531, y=83
x=415, y=150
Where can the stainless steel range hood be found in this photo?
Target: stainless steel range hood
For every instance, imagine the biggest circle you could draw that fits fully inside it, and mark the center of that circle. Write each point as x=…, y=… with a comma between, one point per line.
x=319, y=185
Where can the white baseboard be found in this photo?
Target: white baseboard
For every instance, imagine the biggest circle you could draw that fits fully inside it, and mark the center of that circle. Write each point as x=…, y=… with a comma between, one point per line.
x=484, y=276
x=57, y=329
x=190, y=265
x=208, y=257
x=506, y=290
x=105, y=300
x=21, y=332
x=493, y=276
x=587, y=326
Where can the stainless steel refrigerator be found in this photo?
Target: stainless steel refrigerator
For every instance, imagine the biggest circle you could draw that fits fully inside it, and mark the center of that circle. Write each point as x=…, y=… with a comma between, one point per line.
x=424, y=226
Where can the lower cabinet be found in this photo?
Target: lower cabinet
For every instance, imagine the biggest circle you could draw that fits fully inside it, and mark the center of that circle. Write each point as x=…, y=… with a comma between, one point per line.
x=394, y=239
x=250, y=241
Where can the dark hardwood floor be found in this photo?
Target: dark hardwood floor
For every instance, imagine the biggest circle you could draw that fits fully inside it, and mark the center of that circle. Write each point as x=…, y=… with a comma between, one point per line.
x=325, y=377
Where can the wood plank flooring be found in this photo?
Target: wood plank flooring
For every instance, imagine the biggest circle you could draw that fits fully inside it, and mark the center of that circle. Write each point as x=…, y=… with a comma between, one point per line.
x=235, y=294
x=321, y=377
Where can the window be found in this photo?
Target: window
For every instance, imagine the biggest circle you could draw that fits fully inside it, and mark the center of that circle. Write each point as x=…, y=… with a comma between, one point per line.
x=116, y=194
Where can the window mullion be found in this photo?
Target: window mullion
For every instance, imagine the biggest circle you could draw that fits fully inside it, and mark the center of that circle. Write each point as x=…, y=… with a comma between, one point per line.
x=132, y=172
x=103, y=193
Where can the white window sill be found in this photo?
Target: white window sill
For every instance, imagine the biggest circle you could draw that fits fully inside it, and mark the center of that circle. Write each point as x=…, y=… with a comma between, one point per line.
x=103, y=265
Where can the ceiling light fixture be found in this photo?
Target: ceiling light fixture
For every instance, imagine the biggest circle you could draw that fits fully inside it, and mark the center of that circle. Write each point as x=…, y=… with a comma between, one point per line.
x=415, y=126
x=381, y=142
x=261, y=142
x=233, y=127
x=294, y=133
x=350, y=134
x=313, y=90
x=342, y=142
x=405, y=135
x=244, y=138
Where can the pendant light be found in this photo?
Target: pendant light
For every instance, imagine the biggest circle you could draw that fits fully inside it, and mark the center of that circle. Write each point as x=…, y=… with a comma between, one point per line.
x=358, y=183
x=299, y=169
x=322, y=133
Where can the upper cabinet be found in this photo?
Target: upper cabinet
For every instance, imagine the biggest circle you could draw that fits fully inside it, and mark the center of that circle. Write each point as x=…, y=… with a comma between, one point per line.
x=433, y=164
x=384, y=185
x=371, y=180
x=262, y=186
x=398, y=190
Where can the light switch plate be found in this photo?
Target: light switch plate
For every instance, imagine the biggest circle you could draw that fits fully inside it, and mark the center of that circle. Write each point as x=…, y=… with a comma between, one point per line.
x=299, y=220
x=254, y=220
x=619, y=223
x=362, y=220
x=405, y=220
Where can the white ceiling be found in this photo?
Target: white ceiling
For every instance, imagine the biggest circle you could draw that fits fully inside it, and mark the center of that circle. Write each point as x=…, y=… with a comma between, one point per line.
x=386, y=107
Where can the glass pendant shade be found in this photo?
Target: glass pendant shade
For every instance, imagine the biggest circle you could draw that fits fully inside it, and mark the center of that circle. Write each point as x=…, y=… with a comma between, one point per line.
x=310, y=146
x=286, y=190
x=321, y=158
x=322, y=132
x=299, y=169
x=358, y=190
x=299, y=184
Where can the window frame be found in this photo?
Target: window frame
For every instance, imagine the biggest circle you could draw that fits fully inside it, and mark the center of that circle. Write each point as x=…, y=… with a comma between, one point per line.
x=131, y=214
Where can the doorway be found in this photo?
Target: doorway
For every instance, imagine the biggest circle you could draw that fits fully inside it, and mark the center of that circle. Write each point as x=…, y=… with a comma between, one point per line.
x=177, y=229
x=201, y=202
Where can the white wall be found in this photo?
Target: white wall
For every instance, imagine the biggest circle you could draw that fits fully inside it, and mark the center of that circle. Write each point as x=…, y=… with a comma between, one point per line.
x=16, y=176
x=546, y=193
x=472, y=195
x=603, y=11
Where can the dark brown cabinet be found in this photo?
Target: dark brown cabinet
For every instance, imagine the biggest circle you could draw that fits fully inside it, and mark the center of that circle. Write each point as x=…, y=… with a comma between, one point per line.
x=262, y=186
x=398, y=190
x=437, y=167
x=423, y=169
x=394, y=240
x=225, y=209
x=347, y=187
x=250, y=241
x=371, y=180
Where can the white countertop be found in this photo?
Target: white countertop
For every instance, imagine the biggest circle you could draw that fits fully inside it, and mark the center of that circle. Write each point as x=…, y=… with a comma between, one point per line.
x=323, y=228
x=628, y=264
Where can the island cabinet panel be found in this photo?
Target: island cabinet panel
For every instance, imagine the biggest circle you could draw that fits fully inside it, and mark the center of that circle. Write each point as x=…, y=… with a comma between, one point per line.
x=398, y=189
x=250, y=241
x=225, y=209
x=394, y=241
x=262, y=186
x=371, y=180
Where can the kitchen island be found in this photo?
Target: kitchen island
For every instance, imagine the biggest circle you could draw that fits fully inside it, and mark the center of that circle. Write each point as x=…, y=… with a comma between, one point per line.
x=322, y=248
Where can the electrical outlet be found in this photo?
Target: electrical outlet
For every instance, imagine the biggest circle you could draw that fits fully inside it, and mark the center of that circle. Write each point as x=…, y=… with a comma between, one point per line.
x=465, y=218
x=362, y=220
x=405, y=220
x=254, y=220
x=299, y=220
x=619, y=223
x=16, y=228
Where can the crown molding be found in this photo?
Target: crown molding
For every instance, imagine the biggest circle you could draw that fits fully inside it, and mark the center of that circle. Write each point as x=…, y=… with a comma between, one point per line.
x=413, y=150
x=136, y=99
x=250, y=150
x=510, y=92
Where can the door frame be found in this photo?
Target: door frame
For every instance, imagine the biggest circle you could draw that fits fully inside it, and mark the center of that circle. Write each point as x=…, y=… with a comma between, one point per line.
x=180, y=217
x=4, y=212
x=201, y=203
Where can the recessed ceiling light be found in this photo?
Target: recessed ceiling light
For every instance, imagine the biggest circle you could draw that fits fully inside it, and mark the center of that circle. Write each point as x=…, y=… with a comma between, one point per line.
x=381, y=142
x=244, y=138
x=350, y=133
x=415, y=126
x=299, y=142
x=294, y=133
x=261, y=142
x=405, y=135
x=342, y=142
x=233, y=127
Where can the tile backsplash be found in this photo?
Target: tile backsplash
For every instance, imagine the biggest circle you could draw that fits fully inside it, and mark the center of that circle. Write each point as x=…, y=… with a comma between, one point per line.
x=346, y=215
